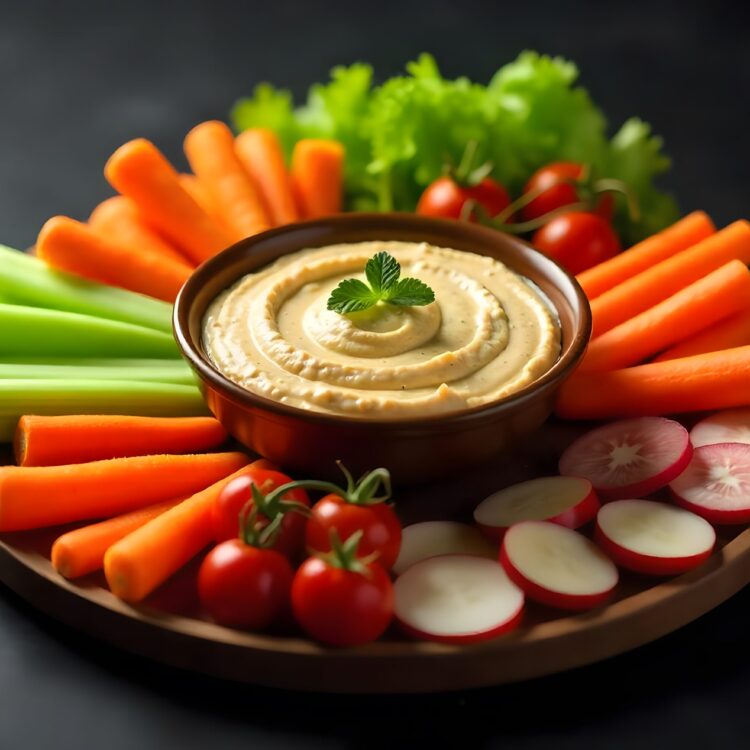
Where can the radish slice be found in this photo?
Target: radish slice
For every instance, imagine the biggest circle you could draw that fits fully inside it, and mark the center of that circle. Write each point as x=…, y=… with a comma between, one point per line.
x=724, y=427
x=653, y=538
x=557, y=566
x=569, y=501
x=432, y=538
x=629, y=458
x=457, y=599
x=716, y=484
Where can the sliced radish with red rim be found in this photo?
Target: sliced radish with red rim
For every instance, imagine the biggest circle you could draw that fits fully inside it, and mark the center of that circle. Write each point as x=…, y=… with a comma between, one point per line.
x=557, y=566
x=716, y=483
x=724, y=427
x=653, y=538
x=629, y=458
x=432, y=538
x=568, y=501
x=457, y=599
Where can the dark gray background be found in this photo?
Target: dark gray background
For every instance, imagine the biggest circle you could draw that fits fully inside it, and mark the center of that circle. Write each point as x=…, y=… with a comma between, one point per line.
x=78, y=79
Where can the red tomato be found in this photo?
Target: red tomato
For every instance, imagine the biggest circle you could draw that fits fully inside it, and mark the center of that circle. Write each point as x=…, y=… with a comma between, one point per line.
x=244, y=586
x=234, y=496
x=558, y=193
x=445, y=198
x=381, y=530
x=342, y=607
x=577, y=241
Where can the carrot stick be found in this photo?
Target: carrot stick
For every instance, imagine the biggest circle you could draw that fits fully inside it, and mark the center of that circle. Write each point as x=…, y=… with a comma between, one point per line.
x=119, y=219
x=317, y=176
x=687, y=232
x=35, y=496
x=209, y=148
x=259, y=152
x=717, y=380
x=726, y=334
x=139, y=170
x=52, y=441
x=69, y=245
x=143, y=560
x=81, y=551
x=650, y=287
x=714, y=297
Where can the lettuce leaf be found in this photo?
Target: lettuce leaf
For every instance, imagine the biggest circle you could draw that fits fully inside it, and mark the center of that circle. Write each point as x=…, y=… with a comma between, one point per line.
x=400, y=135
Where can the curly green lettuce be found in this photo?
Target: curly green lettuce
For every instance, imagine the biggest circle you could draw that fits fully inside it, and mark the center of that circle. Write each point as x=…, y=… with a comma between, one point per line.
x=398, y=136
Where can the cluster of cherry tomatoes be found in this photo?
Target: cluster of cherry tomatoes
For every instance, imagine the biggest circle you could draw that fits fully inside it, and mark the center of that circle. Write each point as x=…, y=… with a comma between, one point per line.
x=567, y=214
x=279, y=560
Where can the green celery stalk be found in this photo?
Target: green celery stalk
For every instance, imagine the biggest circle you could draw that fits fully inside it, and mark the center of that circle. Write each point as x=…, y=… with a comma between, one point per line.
x=149, y=373
x=53, y=397
x=27, y=280
x=36, y=331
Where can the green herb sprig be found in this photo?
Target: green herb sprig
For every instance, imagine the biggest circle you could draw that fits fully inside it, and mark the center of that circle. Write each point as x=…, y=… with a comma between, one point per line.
x=382, y=272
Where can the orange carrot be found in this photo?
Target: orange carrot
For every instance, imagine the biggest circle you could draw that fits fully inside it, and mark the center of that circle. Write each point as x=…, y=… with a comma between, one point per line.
x=51, y=441
x=139, y=170
x=717, y=380
x=317, y=176
x=35, y=496
x=726, y=334
x=143, y=560
x=687, y=232
x=69, y=245
x=714, y=297
x=81, y=551
x=119, y=219
x=209, y=148
x=260, y=153
x=650, y=287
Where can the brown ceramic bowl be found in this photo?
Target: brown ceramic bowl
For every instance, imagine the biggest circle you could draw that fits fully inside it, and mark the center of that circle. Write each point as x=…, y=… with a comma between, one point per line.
x=415, y=450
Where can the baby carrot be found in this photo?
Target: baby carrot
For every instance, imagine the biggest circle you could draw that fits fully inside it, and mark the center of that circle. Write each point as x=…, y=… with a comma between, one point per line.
x=81, y=551
x=209, y=148
x=141, y=172
x=655, y=284
x=32, y=497
x=51, y=441
x=259, y=151
x=685, y=233
x=317, y=177
x=712, y=298
x=717, y=380
x=69, y=245
x=119, y=219
x=726, y=334
x=143, y=560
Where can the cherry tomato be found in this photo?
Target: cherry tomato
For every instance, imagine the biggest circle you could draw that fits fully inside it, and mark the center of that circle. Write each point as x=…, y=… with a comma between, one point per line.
x=445, y=198
x=558, y=193
x=245, y=586
x=234, y=496
x=577, y=241
x=381, y=530
x=342, y=607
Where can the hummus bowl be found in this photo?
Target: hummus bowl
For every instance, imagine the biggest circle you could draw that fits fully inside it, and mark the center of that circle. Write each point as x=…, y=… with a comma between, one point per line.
x=222, y=318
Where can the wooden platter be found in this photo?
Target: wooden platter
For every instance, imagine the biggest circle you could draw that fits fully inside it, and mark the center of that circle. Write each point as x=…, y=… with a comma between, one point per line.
x=169, y=626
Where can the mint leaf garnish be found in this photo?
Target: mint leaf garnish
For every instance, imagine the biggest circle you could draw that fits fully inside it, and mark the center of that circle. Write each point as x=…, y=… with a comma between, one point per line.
x=411, y=292
x=382, y=272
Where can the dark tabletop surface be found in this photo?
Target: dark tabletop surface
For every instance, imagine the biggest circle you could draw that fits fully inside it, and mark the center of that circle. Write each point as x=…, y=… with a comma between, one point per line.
x=78, y=79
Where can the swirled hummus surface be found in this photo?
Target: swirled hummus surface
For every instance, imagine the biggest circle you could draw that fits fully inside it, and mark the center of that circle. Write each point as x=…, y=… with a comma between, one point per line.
x=488, y=333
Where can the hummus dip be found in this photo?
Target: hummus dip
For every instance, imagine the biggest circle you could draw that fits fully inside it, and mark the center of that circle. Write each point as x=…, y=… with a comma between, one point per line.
x=488, y=333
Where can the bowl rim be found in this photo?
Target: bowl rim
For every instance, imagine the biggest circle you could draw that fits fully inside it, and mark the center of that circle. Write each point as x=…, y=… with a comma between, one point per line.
x=393, y=221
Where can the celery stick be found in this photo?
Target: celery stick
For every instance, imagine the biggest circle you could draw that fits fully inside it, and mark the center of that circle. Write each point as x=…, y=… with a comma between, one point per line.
x=51, y=397
x=37, y=331
x=149, y=373
x=27, y=280
x=178, y=365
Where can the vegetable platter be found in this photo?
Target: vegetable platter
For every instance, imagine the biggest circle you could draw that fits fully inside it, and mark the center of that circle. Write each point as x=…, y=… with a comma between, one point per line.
x=169, y=627
x=131, y=514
